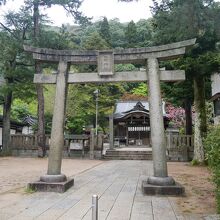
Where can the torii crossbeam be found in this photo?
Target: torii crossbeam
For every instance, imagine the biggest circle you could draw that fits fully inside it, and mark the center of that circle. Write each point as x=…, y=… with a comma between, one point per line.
x=160, y=182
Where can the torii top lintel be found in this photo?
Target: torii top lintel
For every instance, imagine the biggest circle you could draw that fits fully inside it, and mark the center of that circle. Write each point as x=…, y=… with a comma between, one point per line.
x=130, y=55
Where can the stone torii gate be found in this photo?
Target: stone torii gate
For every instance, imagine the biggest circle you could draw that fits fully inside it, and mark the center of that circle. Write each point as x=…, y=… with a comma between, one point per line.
x=160, y=182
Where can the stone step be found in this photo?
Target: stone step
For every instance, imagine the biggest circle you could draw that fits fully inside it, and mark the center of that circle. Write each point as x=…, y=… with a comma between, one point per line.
x=132, y=157
x=128, y=151
x=127, y=155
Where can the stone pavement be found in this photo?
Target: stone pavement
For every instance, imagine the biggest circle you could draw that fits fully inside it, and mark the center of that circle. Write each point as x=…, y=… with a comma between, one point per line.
x=118, y=185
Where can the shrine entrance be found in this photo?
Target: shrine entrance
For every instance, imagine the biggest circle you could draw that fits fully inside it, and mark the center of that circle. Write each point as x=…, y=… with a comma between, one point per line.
x=160, y=182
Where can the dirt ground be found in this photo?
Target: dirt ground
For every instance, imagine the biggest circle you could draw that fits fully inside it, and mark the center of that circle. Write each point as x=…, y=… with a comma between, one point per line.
x=199, y=197
x=16, y=172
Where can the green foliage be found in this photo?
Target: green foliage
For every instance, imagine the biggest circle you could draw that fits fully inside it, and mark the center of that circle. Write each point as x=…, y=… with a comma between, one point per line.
x=59, y=39
x=172, y=19
x=117, y=31
x=81, y=111
x=142, y=90
x=209, y=112
x=195, y=162
x=170, y=23
x=30, y=190
x=212, y=146
x=74, y=125
x=177, y=20
x=118, y=35
x=124, y=67
x=20, y=109
x=144, y=33
x=131, y=35
x=95, y=42
x=105, y=30
x=48, y=123
x=49, y=93
x=14, y=66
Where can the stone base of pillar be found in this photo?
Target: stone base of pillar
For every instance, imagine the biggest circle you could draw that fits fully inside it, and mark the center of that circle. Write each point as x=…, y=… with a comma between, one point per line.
x=161, y=181
x=53, y=178
x=52, y=183
x=162, y=186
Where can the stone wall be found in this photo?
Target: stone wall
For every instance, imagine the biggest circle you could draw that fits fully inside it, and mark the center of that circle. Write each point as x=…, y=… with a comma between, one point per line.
x=179, y=147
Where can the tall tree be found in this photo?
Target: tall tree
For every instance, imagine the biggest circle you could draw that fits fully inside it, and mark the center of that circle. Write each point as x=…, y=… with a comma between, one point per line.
x=176, y=20
x=144, y=33
x=131, y=34
x=94, y=42
x=117, y=33
x=105, y=30
x=71, y=6
x=12, y=64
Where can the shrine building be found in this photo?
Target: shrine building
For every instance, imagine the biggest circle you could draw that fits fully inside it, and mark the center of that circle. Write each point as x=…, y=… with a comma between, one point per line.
x=132, y=123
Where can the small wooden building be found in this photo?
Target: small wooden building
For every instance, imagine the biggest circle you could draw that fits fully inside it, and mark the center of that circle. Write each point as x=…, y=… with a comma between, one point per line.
x=132, y=123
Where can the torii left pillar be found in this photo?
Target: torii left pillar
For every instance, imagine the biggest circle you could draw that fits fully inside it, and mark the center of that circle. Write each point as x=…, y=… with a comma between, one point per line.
x=54, y=180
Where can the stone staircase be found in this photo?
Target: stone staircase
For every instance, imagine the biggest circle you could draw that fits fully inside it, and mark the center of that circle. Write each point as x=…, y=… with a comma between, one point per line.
x=128, y=154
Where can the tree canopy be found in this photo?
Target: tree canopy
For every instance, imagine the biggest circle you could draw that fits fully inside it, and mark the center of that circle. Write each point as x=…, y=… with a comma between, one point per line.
x=172, y=20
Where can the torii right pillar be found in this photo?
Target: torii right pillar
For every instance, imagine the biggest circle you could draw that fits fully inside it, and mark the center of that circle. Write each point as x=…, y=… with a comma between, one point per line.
x=160, y=182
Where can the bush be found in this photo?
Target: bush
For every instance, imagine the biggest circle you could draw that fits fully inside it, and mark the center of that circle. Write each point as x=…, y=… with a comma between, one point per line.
x=212, y=146
x=194, y=162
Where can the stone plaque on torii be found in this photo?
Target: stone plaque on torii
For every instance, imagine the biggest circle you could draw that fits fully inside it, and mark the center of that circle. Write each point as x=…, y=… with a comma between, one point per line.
x=160, y=182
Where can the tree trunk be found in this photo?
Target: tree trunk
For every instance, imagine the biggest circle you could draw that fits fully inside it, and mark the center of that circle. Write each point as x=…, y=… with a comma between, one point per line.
x=41, y=139
x=200, y=118
x=36, y=18
x=6, y=122
x=188, y=113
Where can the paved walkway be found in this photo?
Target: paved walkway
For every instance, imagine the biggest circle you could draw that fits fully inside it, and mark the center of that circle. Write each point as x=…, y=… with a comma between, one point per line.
x=118, y=185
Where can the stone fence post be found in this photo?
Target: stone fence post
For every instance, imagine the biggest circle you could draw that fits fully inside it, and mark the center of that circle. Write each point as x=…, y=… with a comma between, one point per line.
x=92, y=144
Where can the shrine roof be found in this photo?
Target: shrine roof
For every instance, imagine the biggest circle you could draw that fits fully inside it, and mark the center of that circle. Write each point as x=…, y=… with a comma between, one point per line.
x=215, y=97
x=13, y=124
x=123, y=108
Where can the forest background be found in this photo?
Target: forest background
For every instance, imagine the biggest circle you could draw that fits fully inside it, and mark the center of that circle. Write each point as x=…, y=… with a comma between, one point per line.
x=172, y=21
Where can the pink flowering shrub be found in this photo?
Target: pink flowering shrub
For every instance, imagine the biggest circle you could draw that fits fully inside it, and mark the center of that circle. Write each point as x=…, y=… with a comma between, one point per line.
x=176, y=116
